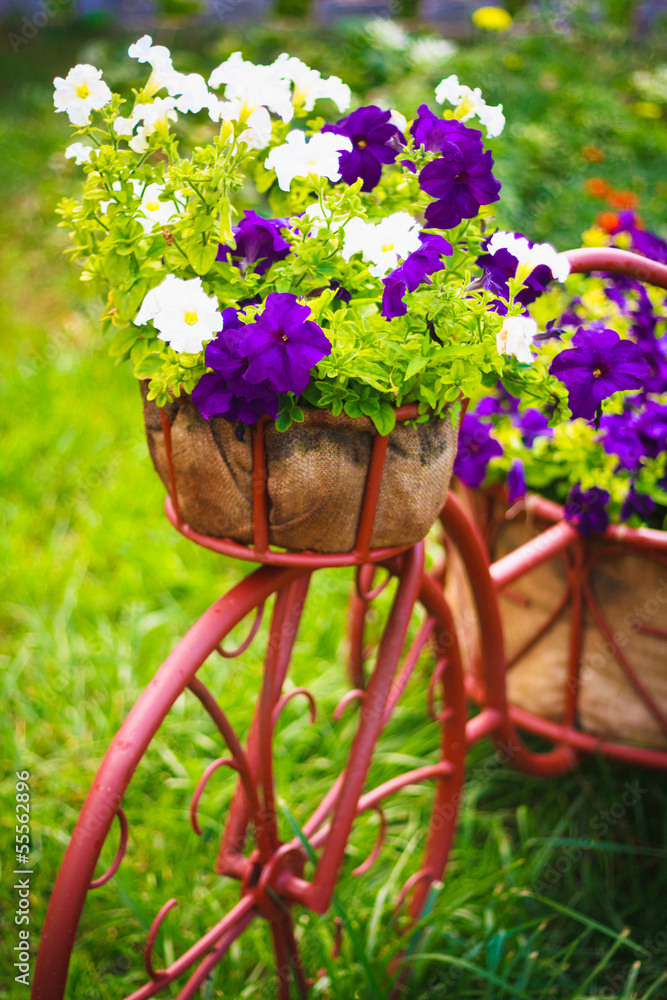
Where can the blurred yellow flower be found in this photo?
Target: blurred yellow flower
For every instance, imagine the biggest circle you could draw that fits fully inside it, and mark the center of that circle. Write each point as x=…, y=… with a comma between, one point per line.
x=647, y=109
x=492, y=18
x=513, y=61
x=595, y=237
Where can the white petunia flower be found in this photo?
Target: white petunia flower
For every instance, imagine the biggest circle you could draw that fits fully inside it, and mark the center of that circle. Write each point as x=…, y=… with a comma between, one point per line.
x=257, y=134
x=78, y=152
x=154, y=211
x=298, y=158
x=428, y=53
x=470, y=102
x=309, y=85
x=387, y=34
x=159, y=59
x=516, y=336
x=150, y=117
x=191, y=93
x=530, y=257
x=384, y=243
x=144, y=51
x=254, y=86
x=398, y=120
x=83, y=90
x=185, y=315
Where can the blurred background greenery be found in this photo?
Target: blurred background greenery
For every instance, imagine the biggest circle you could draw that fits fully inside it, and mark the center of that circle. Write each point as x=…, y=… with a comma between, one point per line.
x=96, y=587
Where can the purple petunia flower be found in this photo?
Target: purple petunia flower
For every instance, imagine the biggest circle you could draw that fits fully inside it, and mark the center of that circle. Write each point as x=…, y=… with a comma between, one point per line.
x=516, y=481
x=532, y=424
x=460, y=179
x=234, y=399
x=652, y=428
x=283, y=344
x=258, y=242
x=431, y=132
x=415, y=269
x=598, y=365
x=636, y=503
x=476, y=449
x=642, y=241
x=587, y=509
x=501, y=266
x=375, y=141
x=621, y=438
x=501, y=402
x=224, y=392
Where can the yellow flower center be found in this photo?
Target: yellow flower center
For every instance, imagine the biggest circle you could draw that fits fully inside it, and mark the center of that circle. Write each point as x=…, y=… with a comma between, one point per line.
x=386, y=247
x=191, y=318
x=465, y=107
x=82, y=91
x=299, y=96
x=152, y=206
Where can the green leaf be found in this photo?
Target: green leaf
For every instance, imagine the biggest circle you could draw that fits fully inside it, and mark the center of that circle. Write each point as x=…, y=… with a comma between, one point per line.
x=148, y=367
x=201, y=257
x=384, y=419
x=123, y=341
x=283, y=421
x=369, y=407
x=204, y=223
x=264, y=178
x=415, y=366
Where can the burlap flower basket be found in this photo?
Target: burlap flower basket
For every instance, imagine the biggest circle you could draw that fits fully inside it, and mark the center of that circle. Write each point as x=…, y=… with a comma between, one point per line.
x=316, y=476
x=629, y=590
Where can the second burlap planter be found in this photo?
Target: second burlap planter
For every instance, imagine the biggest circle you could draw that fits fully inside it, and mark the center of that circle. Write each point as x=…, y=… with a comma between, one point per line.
x=316, y=476
x=628, y=587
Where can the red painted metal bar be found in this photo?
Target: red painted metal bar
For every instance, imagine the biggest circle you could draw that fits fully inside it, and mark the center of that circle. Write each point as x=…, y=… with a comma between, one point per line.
x=233, y=838
x=587, y=259
x=281, y=642
x=228, y=734
x=467, y=539
x=639, y=538
x=545, y=545
x=482, y=725
x=317, y=895
x=356, y=617
x=260, y=485
x=575, y=580
x=372, y=799
x=371, y=494
x=228, y=929
x=121, y=759
x=586, y=742
x=120, y=853
x=198, y=979
x=452, y=742
x=304, y=560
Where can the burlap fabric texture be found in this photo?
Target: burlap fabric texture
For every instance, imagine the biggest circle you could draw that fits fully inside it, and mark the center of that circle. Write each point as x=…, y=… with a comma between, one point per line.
x=316, y=476
x=630, y=590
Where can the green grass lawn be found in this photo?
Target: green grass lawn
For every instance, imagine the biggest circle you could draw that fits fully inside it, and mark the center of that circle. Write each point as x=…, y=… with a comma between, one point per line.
x=97, y=588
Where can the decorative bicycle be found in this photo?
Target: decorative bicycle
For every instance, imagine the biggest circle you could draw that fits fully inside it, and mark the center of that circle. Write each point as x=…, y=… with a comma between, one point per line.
x=270, y=871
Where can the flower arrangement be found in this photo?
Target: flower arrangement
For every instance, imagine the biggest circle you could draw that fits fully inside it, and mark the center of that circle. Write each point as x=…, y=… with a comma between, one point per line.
x=609, y=352
x=281, y=261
